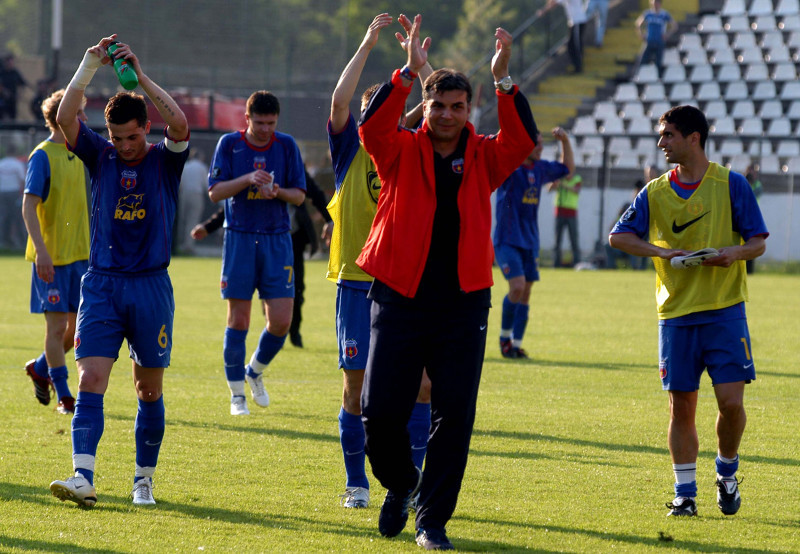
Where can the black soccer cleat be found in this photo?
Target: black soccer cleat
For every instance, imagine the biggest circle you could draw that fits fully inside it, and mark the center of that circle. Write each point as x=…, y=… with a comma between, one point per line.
x=434, y=539
x=41, y=386
x=686, y=507
x=394, y=512
x=728, y=498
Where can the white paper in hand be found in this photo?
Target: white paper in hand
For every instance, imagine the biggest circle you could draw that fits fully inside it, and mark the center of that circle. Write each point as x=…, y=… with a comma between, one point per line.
x=694, y=259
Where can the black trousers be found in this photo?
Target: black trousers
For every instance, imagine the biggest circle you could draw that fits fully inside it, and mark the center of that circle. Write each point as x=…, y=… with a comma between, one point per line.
x=450, y=343
x=299, y=243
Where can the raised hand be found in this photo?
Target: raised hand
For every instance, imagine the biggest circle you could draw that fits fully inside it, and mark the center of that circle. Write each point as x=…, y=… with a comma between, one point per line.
x=502, y=54
x=417, y=51
x=374, y=30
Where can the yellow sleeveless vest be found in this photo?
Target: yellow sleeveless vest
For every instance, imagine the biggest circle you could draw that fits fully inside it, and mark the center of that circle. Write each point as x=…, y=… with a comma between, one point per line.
x=353, y=208
x=566, y=197
x=64, y=216
x=701, y=221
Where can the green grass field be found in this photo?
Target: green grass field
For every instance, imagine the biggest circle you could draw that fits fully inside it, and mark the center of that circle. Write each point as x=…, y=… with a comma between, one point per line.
x=568, y=455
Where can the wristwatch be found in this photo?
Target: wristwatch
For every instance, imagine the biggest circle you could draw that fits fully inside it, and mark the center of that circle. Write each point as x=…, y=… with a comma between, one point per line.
x=504, y=85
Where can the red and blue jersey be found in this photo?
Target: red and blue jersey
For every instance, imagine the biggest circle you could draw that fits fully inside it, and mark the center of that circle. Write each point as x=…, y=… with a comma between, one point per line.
x=517, y=203
x=248, y=211
x=133, y=204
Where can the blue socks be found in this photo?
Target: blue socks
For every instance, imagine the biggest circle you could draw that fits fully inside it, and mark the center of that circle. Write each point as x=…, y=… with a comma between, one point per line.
x=268, y=346
x=59, y=377
x=509, y=309
x=234, y=351
x=351, y=435
x=87, y=428
x=685, y=480
x=520, y=322
x=419, y=428
x=40, y=366
x=726, y=467
x=149, y=431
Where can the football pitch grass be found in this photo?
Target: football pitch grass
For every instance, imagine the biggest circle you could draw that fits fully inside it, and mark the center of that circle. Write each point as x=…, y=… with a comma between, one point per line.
x=568, y=454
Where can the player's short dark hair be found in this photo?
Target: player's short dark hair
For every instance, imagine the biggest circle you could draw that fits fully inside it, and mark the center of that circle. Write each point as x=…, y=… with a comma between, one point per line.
x=263, y=102
x=369, y=93
x=687, y=120
x=50, y=108
x=446, y=79
x=125, y=106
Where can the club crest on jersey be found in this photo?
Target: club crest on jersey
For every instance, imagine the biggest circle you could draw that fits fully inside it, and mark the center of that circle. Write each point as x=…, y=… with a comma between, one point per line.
x=350, y=348
x=260, y=162
x=77, y=341
x=128, y=179
x=531, y=178
x=458, y=166
x=129, y=208
x=662, y=369
x=223, y=282
x=53, y=296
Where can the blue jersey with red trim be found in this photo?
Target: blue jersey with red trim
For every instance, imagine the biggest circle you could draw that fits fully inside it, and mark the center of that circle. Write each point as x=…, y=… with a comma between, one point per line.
x=248, y=211
x=517, y=203
x=133, y=204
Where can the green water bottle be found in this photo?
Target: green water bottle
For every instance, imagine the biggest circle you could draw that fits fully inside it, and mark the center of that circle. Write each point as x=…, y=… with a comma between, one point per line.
x=125, y=72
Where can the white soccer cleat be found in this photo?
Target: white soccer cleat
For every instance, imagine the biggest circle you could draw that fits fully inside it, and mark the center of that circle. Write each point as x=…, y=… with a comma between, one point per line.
x=355, y=497
x=239, y=405
x=143, y=492
x=77, y=489
x=258, y=390
x=693, y=259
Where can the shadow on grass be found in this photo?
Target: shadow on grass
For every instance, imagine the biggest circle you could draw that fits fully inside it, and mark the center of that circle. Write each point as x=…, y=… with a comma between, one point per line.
x=662, y=451
x=46, y=546
x=665, y=540
x=613, y=366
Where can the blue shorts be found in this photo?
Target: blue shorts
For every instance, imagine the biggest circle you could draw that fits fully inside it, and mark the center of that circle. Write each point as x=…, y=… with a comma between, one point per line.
x=352, y=326
x=515, y=261
x=139, y=309
x=63, y=294
x=254, y=261
x=723, y=348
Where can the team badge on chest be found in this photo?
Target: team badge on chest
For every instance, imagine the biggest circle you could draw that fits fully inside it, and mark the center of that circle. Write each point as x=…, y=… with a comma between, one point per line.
x=458, y=166
x=260, y=162
x=128, y=179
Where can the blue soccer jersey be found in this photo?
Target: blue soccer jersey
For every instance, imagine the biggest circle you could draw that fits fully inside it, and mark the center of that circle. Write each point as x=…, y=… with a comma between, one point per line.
x=248, y=211
x=344, y=147
x=133, y=204
x=656, y=25
x=517, y=203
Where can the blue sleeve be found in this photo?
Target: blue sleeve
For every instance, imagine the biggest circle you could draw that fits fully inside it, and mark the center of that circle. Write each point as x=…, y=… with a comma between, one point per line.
x=221, y=163
x=636, y=218
x=552, y=171
x=745, y=213
x=344, y=146
x=296, y=171
x=89, y=146
x=37, y=179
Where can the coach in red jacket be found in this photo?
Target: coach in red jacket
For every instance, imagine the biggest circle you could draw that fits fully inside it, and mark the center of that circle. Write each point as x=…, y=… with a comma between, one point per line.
x=431, y=254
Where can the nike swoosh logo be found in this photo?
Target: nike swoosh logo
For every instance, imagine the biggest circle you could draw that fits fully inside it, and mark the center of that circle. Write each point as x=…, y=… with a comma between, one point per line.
x=70, y=157
x=148, y=443
x=483, y=327
x=348, y=453
x=678, y=228
x=237, y=150
x=748, y=366
x=79, y=487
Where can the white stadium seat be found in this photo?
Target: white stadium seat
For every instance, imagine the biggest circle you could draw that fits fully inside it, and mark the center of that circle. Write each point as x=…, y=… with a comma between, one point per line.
x=794, y=40
x=723, y=126
x=779, y=128
x=736, y=90
x=695, y=57
x=751, y=126
x=672, y=57
x=584, y=125
x=730, y=147
x=715, y=109
x=793, y=111
x=750, y=55
x=756, y=72
x=788, y=148
x=786, y=7
x=717, y=41
x=626, y=92
x=771, y=109
x=760, y=7
x=647, y=73
x=611, y=126
x=791, y=91
x=737, y=23
x=604, y=109
x=744, y=40
x=725, y=56
x=764, y=90
x=790, y=23
x=771, y=39
x=764, y=23
x=681, y=93
x=770, y=164
x=674, y=74
x=710, y=23
x=653, y=92
x=729, y=73
x=631, y=110
x=760, y=148
x=689, y=41
x=640, y=126
x=784, y=71
x=778, y=54
x=702, y=74
x=592, y=144
x=733, y=7
x=739, y=162
x=742, y=109
x=657, y=109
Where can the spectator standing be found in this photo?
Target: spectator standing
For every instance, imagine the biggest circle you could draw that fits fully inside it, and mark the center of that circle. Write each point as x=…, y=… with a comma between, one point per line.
x=303, y=235
x=430, y=253
x=702, y=323
x=12, y=183
x=576, y=20
x=257, y=172
x=598, y=9
x=657, y=24
x=516, y=236
x=56, y=216
x=568, y=191
x=192, y=199
x=11, y=80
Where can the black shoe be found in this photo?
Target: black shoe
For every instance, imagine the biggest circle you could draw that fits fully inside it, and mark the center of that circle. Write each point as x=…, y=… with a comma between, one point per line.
x=296, y=339
x=505, y=347
x=434, y=539
x=394, y=512
x=518, y=353
x=686, y=507
x=728, y=498
x=41, y=386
